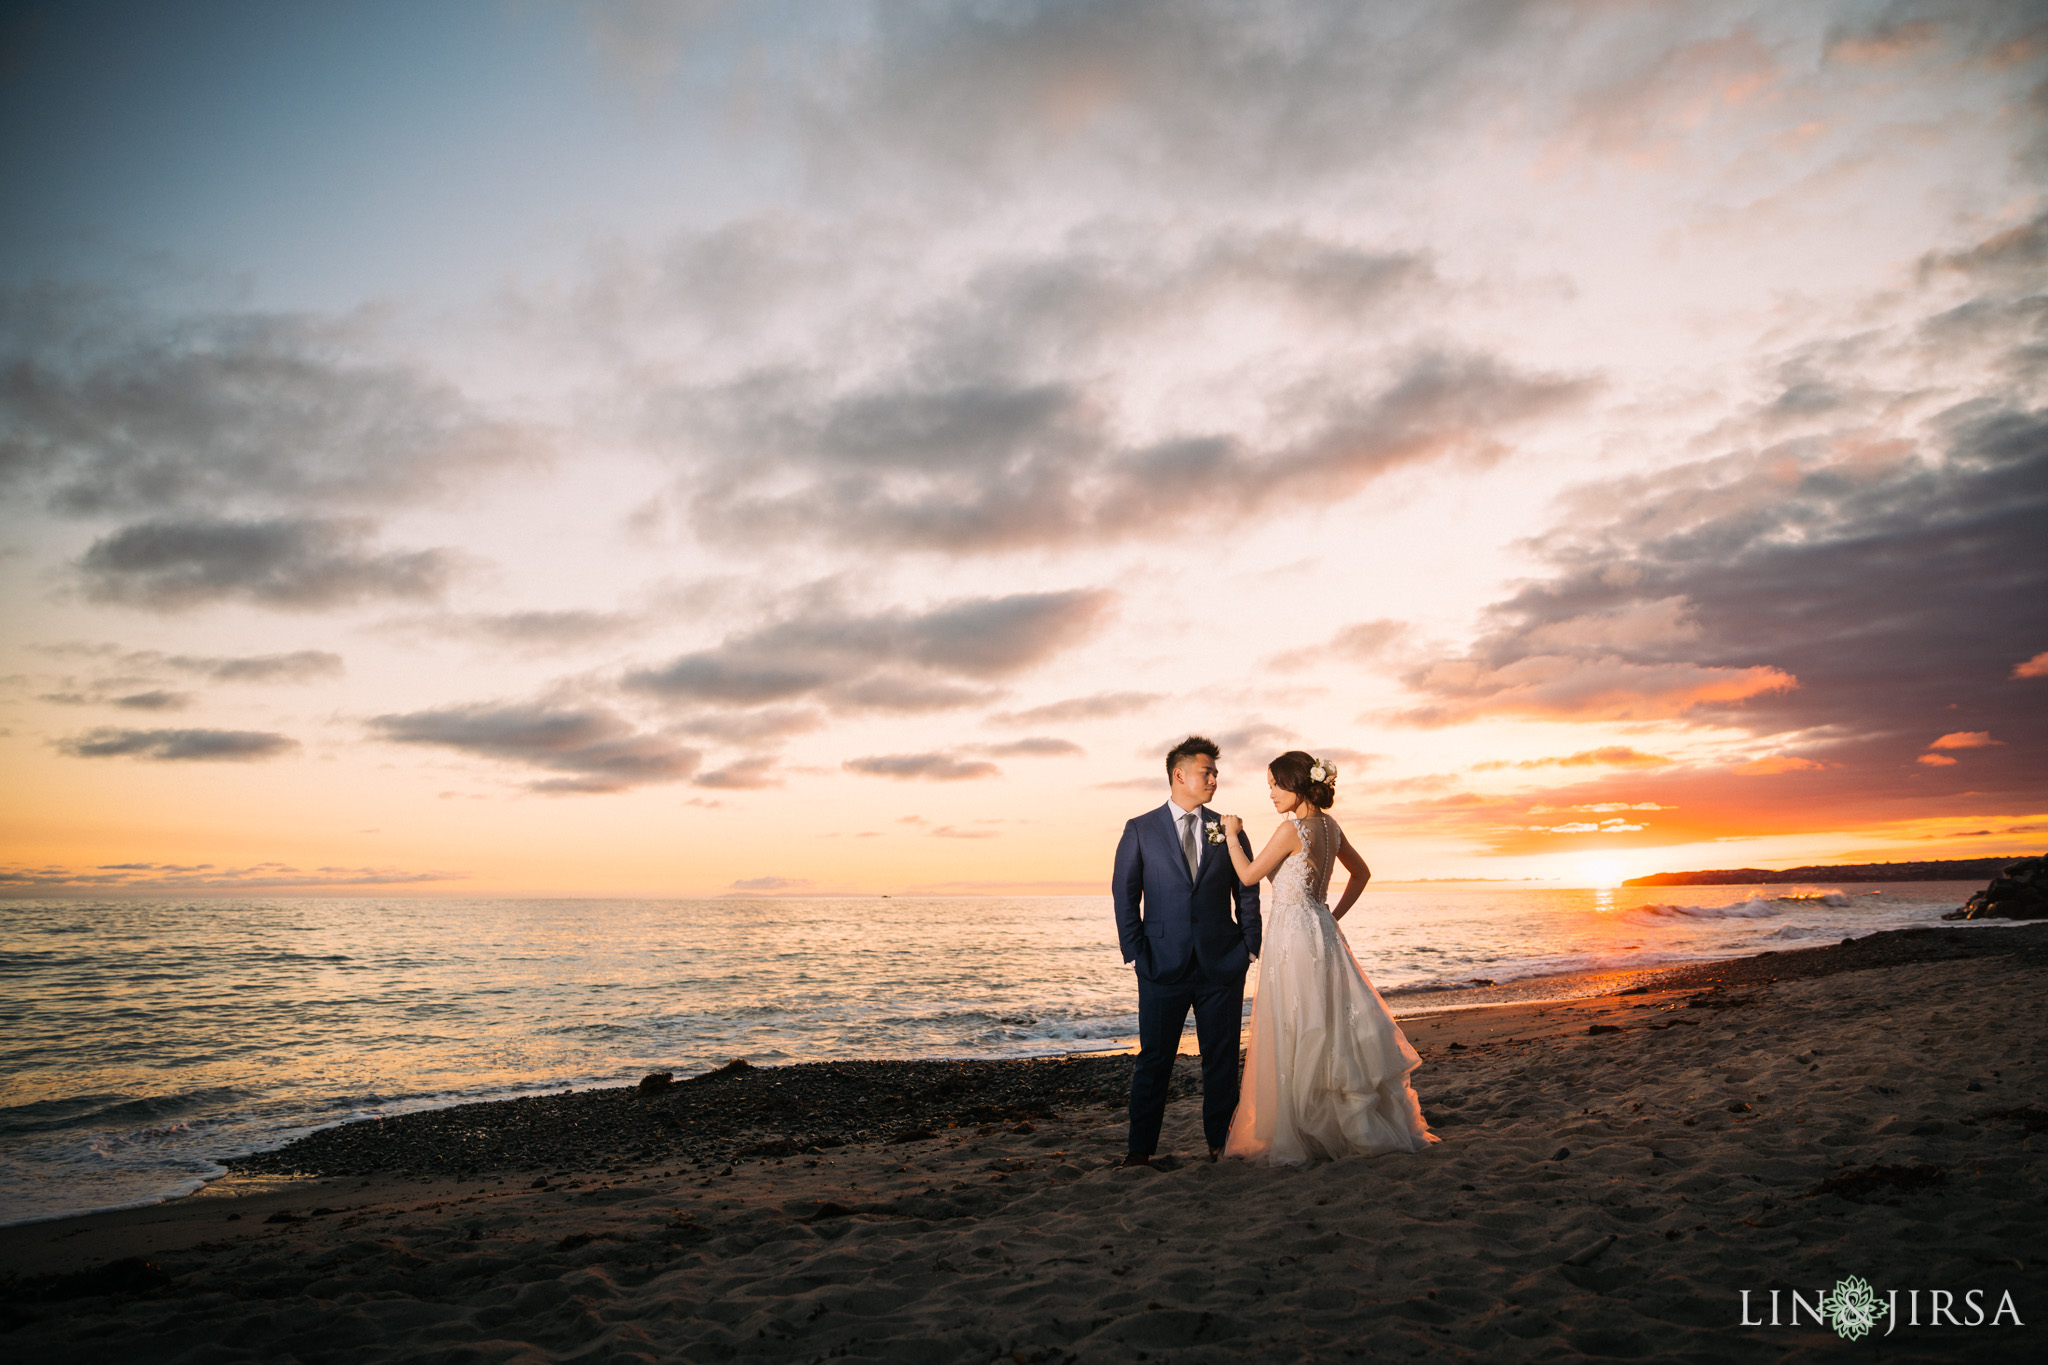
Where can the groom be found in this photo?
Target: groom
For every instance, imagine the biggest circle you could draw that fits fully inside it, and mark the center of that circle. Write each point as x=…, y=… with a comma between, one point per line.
x=1190, y=929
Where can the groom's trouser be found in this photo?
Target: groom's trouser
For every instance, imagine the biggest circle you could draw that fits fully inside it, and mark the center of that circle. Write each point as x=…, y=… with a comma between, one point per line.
x=1163, y=1008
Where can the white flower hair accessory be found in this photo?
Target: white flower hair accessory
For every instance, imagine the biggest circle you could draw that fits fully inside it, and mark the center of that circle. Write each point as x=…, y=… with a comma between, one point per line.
x=1214, y=829
x=1321, y=771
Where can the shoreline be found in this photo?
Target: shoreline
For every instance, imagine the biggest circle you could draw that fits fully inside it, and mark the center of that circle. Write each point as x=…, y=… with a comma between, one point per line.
x=1614, y=1169
x=894, y=1097
x=1409, y=1006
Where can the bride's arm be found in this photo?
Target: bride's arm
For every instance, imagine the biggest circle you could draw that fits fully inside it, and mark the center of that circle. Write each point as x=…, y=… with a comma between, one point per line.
x=1251, y=870
x=1354, y=863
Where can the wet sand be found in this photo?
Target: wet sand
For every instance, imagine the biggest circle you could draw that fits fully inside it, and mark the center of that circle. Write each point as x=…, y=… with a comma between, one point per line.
x=1615, y=1169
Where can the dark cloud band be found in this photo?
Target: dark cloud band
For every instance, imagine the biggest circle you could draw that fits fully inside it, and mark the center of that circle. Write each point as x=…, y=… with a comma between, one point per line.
x=893, y=660
x=931, y=767
x=179, y=746
x=596, y=750
x=287, y=563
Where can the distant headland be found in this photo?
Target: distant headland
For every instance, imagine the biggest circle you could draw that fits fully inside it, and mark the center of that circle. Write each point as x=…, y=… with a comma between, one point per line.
x=1949, y=870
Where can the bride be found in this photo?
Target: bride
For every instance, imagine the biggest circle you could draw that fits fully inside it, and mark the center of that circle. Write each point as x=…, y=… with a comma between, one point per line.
x=1326, y=1070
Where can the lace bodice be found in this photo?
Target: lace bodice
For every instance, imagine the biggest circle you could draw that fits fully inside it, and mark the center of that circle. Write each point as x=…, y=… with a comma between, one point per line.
x=1308, y=872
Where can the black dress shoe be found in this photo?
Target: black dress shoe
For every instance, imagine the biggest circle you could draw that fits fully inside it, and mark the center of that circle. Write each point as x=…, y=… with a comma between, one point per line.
x=1136, y=1159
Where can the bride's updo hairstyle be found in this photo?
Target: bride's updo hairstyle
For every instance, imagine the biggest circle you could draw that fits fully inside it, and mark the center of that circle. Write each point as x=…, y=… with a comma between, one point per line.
x=1294, y=771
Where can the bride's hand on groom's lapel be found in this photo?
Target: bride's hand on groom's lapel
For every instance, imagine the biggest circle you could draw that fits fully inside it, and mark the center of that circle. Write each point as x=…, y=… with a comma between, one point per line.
x=1232, y=826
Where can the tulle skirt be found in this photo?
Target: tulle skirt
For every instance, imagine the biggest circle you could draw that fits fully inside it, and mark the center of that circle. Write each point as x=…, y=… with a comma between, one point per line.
x=1326, y=1066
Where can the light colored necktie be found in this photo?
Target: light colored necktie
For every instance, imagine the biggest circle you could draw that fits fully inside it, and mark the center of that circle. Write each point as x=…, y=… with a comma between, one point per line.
x=1188, y=845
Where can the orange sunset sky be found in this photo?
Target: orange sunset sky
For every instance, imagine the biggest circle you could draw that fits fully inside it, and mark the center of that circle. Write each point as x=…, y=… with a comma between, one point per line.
x=698, y=449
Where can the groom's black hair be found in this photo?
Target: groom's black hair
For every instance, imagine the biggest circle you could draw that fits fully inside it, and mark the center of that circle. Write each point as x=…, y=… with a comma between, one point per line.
x=1187, y=749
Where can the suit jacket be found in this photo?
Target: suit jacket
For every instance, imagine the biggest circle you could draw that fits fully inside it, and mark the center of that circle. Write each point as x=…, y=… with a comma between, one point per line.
x=1168, y=923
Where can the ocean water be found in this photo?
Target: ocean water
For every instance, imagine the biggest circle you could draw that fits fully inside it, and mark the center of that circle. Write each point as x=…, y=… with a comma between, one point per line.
x=140, y=1041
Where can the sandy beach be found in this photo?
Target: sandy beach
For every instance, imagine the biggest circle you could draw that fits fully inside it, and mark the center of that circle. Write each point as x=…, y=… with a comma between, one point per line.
x=1615, y=1170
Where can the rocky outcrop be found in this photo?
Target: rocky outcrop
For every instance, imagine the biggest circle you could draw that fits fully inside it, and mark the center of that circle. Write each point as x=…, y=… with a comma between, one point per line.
x=1943, y=870
x=2019, y=892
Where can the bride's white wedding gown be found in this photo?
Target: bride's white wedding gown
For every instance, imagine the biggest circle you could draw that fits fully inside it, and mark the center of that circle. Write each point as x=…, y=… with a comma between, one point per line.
x=1326, y=1066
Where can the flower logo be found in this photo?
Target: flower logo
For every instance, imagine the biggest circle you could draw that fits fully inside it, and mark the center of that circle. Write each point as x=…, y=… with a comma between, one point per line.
x=1852, y=1308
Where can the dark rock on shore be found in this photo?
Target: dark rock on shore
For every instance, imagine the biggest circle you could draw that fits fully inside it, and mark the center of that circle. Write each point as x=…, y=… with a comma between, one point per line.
x=2020, y=891
x=736, y=1112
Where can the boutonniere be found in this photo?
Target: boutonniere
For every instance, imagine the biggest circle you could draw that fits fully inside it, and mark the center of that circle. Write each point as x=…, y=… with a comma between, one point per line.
x=1215, y=830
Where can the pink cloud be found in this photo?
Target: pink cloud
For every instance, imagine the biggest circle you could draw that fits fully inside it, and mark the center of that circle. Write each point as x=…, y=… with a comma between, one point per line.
x=1779, y=763
x=1966, y=739
x=1601, y=688
x=1610, y=756
x=1937, y=760
x=2036, y=667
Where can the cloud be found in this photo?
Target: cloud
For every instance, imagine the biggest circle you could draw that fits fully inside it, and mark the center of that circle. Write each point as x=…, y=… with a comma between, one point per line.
x=1040, y=747
x=1881, y=548
x=893, y=692
x=1366, y=639
x=1772, y=764
x=752, y=727
x=285, y=563
x=1884, y=45
x=768, y=883
x=178, y=746
x=546, y=631
x=1599, y=687
x=1117, y=366
x=1966, y=739
x=928, y=767
x=299, y=666
x=1098, y=706
x=2036, y=667
x=1000, y=464
x=1887, y=566
x=2017, y=254
x=155, y=701
x=138, y=669
x=896, y=660
x=159, y=700
x=1251, y=735
x=1155, y=95
x=598, y=750
x=1134, y=784
x=1360, y=642
x=1615, y=826
x=950, y=832
x=111, y=408
x=157, y=877
x=747, y=774
x=1607, y=756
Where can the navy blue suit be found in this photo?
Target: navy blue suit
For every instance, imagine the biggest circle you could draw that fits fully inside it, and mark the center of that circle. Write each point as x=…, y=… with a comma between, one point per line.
x=1191, y=940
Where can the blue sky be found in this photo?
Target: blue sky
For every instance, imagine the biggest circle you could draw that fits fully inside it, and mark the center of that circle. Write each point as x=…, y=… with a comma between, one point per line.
x=323, y=154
